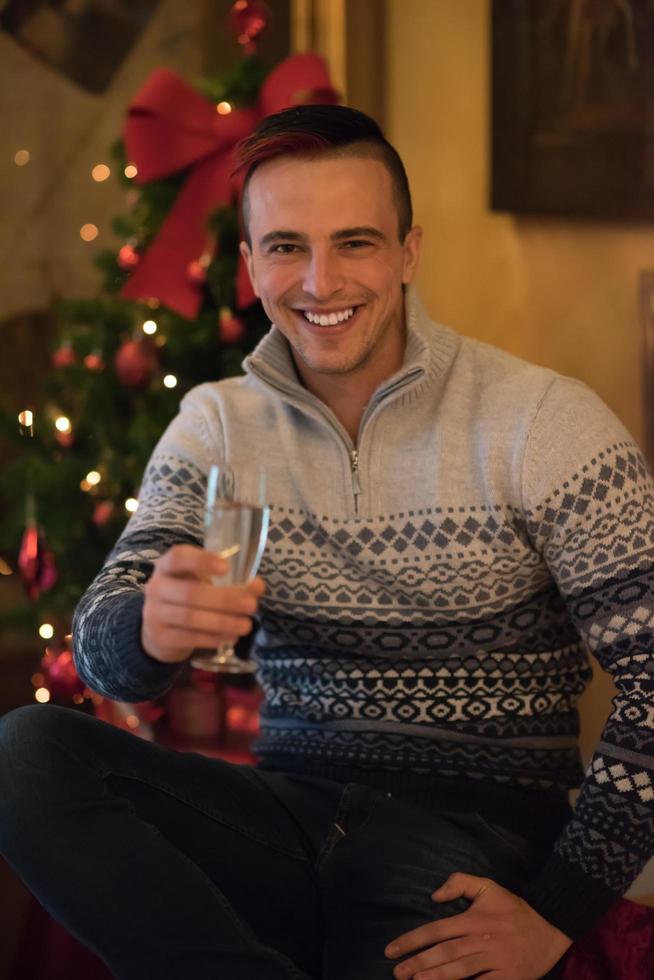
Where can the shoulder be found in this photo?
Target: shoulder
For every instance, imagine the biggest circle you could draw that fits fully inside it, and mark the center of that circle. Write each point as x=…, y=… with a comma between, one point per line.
x=494, y=368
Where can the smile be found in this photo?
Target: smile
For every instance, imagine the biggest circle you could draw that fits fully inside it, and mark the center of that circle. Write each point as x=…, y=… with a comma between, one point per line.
x=328, y=319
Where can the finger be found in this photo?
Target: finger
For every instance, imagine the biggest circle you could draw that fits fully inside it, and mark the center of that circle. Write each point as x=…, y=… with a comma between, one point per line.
x=192, y=620
x=426, y=935
x=470, y=966
x=201, y=595
x=256, y=586
x=173, y=640
x=460, y=885
x=190, y=559
x=444, y=955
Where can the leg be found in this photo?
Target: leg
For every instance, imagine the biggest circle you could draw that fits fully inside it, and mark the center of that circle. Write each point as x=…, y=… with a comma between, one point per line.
x=379, y=873
x=167, y=865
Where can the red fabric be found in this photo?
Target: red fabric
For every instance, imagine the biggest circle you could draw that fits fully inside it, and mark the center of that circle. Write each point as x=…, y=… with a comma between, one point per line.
x=619, y=947
x=48, y=952
x=170, y=127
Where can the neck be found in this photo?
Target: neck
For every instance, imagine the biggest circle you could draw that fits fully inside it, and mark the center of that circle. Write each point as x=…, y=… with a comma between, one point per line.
x=348, y=393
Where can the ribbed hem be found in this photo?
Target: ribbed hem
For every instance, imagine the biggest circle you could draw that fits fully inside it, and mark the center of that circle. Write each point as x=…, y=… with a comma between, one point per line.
x=568, y=898
x=538, y=816
x=148, y=674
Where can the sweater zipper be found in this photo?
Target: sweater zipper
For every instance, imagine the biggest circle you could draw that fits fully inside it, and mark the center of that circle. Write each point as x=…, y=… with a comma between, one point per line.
x=356, y=485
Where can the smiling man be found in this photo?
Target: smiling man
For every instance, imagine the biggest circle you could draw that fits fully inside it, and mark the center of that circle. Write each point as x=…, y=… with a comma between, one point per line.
x=335, y=291
x=452, y=530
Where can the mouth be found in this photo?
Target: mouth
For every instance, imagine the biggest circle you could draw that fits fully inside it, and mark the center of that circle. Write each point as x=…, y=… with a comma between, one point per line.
x=329, y=320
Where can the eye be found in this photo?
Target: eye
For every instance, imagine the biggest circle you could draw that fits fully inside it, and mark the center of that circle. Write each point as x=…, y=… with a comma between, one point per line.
x=356, y=243
x=283, y=248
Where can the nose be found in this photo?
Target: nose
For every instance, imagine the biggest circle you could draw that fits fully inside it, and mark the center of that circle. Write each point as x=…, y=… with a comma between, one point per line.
x=323, y=275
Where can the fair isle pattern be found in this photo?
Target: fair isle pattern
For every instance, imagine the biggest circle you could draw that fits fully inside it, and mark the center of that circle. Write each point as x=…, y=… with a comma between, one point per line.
x=437, y=641
x=174, y=490
x=431, y=640
x=603, y=565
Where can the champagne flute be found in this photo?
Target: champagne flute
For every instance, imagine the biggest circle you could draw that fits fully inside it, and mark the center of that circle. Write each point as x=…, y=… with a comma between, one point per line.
x=236, y=530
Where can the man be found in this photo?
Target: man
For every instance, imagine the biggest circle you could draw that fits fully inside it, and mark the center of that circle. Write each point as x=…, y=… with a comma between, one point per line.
x=449, y=527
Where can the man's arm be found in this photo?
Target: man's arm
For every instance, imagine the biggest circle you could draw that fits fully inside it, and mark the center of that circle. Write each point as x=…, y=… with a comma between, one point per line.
x=153, y=600
x=589, y=500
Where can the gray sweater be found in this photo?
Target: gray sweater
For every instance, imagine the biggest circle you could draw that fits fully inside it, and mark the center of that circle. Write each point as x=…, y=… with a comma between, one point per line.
x=433, y=592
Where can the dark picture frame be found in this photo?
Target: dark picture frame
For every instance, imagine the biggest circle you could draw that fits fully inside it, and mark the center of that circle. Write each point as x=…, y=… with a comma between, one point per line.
x=573, y=108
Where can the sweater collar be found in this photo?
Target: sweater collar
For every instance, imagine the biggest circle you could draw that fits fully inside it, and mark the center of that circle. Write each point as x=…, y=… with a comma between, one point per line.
x=429, y=352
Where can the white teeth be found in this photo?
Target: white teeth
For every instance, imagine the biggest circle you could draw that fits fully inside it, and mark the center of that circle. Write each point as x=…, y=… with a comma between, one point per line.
x=329, y=319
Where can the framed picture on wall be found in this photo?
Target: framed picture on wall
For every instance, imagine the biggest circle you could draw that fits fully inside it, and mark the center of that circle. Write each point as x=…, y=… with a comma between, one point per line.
x=573, y=107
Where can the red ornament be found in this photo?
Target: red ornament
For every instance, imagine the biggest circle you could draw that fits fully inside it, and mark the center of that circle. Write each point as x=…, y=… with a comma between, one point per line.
x=136, y=362
x=36, y=563
x=249, y=19
x=60, y=676
x=128, y=258
x=102, y=512
x=197, y=272
x=65, y=439
x=94, y=362
x=64, y=355
x=231, y=329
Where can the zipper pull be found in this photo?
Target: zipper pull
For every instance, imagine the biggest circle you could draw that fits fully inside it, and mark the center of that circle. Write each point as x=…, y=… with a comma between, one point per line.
x=356, y=486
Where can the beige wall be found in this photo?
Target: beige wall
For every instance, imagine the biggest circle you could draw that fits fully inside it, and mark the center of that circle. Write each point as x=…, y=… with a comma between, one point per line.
x=559, y=293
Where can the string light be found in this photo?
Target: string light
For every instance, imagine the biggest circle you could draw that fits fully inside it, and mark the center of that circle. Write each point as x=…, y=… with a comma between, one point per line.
x=130, y=171
x=42, y=695
x=223, y=108
x=131, y=504
x=84, y=485
x=62, y=424
x=100, y=172
x=46, y=631
x=149, y=327
x=153, y=303
x=170, y=381
x=26, y=420
x=21, y=158
x=5, y=569
x=88, y=233
x=132, y=721
x=93, y=477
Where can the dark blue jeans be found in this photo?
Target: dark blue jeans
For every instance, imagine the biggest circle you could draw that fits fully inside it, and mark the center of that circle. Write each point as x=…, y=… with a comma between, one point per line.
x=174, y=865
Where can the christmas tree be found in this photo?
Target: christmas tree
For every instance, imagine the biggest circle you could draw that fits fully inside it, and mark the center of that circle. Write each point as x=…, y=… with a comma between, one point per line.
x=175, y=309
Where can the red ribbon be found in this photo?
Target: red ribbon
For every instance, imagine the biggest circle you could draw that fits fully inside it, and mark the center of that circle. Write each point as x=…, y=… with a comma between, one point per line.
x=171, y=127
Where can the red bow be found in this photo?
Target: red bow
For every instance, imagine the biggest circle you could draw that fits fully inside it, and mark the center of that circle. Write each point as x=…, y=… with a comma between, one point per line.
x=171, y=127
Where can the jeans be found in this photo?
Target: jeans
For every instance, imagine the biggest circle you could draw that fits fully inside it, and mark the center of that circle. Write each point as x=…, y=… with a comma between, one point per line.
x=174, y=865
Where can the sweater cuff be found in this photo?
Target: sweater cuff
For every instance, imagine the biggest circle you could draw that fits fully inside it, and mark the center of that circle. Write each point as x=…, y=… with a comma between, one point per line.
x=567, y=898
x=149, y=673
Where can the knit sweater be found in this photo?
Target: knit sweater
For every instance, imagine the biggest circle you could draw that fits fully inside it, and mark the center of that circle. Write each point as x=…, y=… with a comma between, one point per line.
x=432, y=592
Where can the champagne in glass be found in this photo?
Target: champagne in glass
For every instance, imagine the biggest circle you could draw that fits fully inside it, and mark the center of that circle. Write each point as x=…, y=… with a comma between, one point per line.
x=236, y=530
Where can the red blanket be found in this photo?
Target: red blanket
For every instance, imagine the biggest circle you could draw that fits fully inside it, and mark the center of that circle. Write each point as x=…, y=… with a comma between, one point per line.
x=620, y=947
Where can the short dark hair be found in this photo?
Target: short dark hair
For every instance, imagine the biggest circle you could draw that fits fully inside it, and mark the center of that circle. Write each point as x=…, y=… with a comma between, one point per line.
x=324, y=130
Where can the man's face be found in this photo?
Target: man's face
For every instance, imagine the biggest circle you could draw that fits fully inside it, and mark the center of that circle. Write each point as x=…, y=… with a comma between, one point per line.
x=327, y=263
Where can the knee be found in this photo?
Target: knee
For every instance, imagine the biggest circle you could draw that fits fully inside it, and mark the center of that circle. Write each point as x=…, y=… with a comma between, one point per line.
x=28, y=738
x=23, y=726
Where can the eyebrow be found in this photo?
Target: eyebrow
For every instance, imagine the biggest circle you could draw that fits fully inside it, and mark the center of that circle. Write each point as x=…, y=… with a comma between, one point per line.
x=361, y=231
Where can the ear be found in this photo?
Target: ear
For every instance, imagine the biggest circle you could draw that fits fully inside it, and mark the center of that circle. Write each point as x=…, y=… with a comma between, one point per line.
x=412, y=245
x=246, y=252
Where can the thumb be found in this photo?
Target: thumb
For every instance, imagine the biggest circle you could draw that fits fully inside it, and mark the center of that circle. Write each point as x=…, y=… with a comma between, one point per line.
x=460, y=885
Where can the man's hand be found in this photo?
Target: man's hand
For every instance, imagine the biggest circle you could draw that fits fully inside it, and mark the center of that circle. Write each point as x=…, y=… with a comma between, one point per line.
x=499, y=933
x=183, y=610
